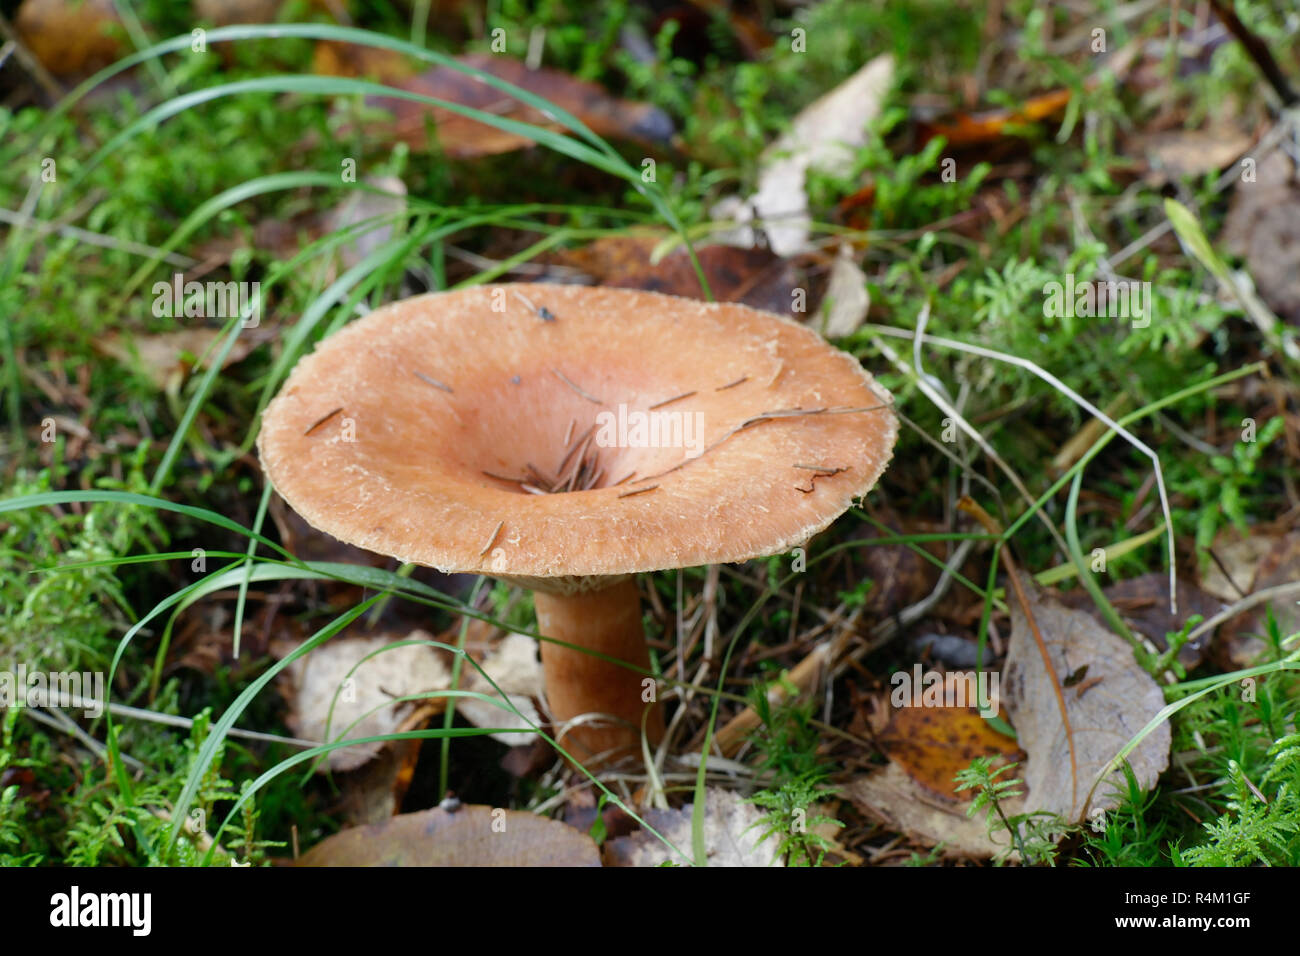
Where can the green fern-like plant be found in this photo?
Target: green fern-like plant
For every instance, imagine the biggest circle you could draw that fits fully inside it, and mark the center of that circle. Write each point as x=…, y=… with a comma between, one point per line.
x=111, y=828
x=13, y=809
x=787, y=744
x=1258, y=827
x=787, y=819
x=1034, y=835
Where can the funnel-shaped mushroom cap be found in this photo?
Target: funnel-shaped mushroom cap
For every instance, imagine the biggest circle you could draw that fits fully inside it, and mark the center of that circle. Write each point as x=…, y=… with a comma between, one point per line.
x=425, y=430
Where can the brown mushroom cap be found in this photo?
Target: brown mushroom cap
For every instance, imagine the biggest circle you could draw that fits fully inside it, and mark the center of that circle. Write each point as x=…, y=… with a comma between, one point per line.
x=382, y=436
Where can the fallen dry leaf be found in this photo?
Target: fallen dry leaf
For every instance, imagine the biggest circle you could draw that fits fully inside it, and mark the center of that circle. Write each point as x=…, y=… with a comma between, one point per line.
x=1175, y=154
x=464, y=138
x=225, y=12
x=1117, y=702
x=969, y=129
x=899, y=576
x=314, y=679
x=1143, y=602
x=1263, y=226
x=823, y=137
x=382, y=209
x=1278, y=564
x=374, y=791
x=71, y=37
x=905, y=806
x=732, y=830
x=309, y=544
x=931, y=744
x=754, y=277
x=915, y=794
x=514, y=666
x=1232, y=576
x=168, y=357
x=845, y=305
x=471, y=836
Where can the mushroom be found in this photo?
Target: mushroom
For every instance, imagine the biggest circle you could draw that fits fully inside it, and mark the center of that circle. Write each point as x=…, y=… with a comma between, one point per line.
x=567, y=438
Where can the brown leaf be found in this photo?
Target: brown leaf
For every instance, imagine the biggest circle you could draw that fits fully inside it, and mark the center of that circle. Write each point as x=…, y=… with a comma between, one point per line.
x=166, y=358
x=1175, y=154
x=905, y=806
x=464, y=138
x=1143, y=602
x=71, y=37
x=1279, y=564
x=309, y=544
x=205, y=639
x=1263, y=225
x=1104, y=716
x=755, y=277
x=471, y=836
x=374, y=792
x=225, y=12
x=899, y=576
x=1232, y=576
x=915, y=794
x=931, y=744
x=968, y=129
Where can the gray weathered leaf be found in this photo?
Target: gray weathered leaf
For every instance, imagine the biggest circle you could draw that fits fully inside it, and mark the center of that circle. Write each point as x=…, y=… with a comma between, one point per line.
x=846, y=296
x=824, y=137
x=401, y=672
x=1113, y=702
x=733, y=829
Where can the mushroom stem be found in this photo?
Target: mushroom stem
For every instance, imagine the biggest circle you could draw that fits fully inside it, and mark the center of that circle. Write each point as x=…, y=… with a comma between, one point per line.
x=607, y=621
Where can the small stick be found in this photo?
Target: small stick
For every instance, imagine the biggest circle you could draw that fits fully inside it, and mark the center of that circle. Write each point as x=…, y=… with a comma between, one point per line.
x=820, y=472
x=1258, y=51
x=563, y=378
x=538, y=477
x=492, y=540
x=322, y=420
x=532, y=489
x=669, y=401
x=513, y=481
x=579, y=463
x=638, y=491
x=760, y=419
x=723, y=388
x=821, y=468
x=626, y=477
x=805, y=675
x=568, y=436
x=572, y=448
x=972, y=508
x=434, y=382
